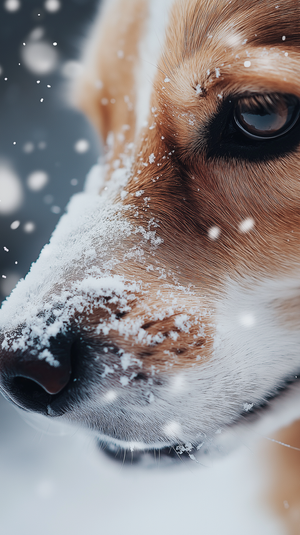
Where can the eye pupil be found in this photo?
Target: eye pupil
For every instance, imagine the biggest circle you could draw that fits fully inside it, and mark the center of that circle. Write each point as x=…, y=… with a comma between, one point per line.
x=266, y=117
x=265, y=122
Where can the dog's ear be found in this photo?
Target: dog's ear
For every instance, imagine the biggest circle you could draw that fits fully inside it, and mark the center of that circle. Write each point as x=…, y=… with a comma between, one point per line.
x=106, y=88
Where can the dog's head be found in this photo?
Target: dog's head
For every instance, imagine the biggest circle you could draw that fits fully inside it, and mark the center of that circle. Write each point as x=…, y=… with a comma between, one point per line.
x=167, y=307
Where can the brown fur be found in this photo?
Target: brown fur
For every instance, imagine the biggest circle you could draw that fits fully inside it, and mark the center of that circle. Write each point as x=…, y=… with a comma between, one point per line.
x=176, y=349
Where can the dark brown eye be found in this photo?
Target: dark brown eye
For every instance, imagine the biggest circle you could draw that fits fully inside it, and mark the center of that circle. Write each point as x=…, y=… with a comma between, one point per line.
x=266, y=116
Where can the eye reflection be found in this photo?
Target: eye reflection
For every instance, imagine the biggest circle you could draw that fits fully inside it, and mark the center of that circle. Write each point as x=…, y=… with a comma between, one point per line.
x=266, y=116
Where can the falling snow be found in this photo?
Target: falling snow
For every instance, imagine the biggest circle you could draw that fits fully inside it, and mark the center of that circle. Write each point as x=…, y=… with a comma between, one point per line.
x=246, y=225
x=12, y=5
x=214, y=233
x=81, y=146
x=52, y=5
x=37, y=180
x=11, y=191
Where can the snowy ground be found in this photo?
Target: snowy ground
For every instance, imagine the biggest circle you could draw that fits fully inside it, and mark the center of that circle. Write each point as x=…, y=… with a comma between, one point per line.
x=53, y=484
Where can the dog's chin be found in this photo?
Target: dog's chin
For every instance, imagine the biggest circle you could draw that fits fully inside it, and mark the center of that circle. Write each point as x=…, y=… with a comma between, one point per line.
x=261, y=421
x=148, y=455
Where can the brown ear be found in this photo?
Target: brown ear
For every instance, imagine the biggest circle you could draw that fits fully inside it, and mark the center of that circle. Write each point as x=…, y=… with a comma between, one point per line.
x=105, y=91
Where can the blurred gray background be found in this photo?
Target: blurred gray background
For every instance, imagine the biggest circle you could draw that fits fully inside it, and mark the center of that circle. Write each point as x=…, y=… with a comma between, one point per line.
x=46, y=147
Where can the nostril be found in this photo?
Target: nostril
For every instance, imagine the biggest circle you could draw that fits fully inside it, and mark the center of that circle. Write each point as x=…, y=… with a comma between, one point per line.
x=31, y=379
x=51, y=375
x=27, y=394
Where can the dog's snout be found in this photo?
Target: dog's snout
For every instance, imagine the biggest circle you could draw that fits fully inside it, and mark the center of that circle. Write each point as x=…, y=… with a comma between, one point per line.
x=31, y=378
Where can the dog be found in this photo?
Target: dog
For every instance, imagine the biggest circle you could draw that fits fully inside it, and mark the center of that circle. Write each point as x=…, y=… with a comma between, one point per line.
x=164, y=312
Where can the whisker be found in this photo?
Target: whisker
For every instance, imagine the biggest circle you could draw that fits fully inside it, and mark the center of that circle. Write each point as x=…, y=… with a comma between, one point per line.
x=282, y=443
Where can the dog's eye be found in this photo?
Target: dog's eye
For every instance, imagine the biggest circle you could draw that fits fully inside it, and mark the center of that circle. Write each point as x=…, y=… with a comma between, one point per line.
x=266, y=116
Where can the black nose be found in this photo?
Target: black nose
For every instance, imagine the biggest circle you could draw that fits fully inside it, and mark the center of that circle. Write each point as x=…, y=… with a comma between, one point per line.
x=32, y=378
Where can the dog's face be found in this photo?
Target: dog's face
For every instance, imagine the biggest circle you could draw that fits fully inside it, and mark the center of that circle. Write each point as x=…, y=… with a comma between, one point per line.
x=167, y=307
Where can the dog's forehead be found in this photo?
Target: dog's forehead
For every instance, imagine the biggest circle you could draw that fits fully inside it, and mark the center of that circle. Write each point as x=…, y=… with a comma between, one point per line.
x=214, y=33
x=261, y=23
x=206, y=37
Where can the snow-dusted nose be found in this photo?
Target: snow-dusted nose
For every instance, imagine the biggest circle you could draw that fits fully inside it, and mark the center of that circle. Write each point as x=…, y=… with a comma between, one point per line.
x=33, y=378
